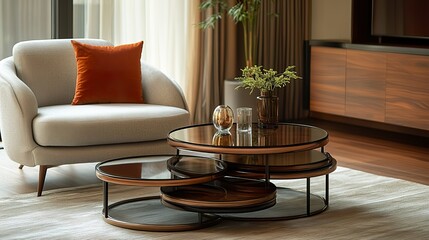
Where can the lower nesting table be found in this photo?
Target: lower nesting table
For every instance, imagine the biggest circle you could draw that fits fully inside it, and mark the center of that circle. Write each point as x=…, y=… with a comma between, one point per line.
x=208, y=192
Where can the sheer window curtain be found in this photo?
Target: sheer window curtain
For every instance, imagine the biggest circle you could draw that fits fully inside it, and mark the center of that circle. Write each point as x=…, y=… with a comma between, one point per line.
x=23, y=20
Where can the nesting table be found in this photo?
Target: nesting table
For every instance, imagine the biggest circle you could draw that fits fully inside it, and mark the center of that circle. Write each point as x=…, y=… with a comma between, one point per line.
x=216, y=176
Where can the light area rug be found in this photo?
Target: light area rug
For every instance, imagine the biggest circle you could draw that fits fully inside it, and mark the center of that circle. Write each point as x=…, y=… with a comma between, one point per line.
x=362, y=206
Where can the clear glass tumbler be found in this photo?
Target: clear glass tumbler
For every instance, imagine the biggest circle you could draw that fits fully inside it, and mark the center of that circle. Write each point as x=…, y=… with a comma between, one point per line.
x=244, y=119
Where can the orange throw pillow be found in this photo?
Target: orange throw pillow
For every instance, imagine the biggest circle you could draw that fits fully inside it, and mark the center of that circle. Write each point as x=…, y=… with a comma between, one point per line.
x=108, y=74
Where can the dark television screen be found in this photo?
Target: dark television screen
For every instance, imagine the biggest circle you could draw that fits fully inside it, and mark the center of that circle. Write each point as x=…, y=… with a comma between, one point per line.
x=400, y=18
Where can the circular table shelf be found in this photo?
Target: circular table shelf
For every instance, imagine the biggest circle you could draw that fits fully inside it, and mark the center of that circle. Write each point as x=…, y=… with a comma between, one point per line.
x=228, y=194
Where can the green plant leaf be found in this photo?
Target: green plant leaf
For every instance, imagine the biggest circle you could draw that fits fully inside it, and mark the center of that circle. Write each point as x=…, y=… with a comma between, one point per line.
x=265, y=79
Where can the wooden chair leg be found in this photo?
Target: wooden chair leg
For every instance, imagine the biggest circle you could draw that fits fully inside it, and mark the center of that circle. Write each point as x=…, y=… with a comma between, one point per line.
x=42, y=176
x=21, y=166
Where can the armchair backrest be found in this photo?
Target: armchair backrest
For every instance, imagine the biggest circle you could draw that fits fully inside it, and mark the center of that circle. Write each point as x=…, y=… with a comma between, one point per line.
x=48, y=68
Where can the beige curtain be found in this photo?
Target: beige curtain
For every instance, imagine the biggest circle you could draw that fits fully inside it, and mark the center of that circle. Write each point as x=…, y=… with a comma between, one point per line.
x=213, y=59
x=281, y=43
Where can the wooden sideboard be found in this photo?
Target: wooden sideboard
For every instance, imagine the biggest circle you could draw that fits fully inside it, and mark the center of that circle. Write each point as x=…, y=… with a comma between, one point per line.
x=378, y=84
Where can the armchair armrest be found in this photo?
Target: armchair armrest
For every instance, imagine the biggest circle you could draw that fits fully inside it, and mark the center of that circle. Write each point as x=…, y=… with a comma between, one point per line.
x=18, y=107
x=159, y=89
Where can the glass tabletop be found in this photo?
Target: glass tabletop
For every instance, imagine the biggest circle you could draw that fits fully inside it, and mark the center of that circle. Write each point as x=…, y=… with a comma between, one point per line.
x=160, y=170
x=285, y=138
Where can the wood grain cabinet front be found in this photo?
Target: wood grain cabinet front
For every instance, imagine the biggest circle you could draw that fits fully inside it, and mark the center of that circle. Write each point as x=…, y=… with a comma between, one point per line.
x=328, y=79
x=377, y=86
x=365, y=85
x=407, y=90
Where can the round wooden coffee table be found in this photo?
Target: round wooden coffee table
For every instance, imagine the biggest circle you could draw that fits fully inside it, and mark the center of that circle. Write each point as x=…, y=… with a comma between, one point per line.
x=234, y=183
x=291, y=151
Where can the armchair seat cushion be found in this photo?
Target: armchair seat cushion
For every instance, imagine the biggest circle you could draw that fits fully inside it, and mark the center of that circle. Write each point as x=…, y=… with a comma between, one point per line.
x=100, y=124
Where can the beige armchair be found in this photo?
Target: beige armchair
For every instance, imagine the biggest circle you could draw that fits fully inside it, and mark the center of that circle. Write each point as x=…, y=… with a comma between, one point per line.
x=40, y=127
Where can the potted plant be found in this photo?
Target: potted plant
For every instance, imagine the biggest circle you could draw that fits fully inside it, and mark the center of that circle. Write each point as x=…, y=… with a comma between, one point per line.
x=266, y=81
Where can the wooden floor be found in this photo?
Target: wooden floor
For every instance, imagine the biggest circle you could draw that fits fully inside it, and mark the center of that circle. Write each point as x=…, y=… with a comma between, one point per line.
x=379, y=152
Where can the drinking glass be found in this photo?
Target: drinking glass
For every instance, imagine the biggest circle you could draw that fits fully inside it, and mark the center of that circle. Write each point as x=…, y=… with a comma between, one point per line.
x=244, y=119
